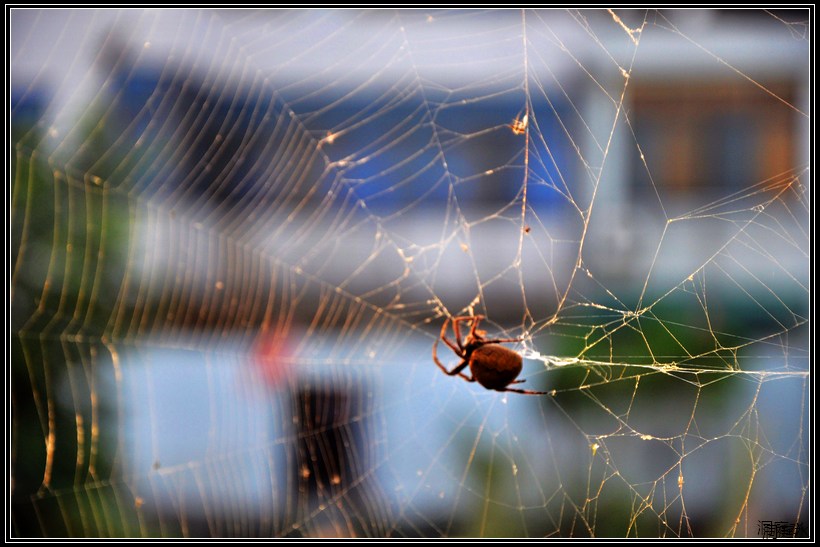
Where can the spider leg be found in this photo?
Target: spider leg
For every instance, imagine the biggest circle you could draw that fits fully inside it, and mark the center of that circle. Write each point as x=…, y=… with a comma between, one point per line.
x=474, y=326
x=518, y=381
x=476, y=320
x=525, y=391
x=457, y=330
x=503, y=340
x=459, y=367
x=456, y=371
x=458, y=350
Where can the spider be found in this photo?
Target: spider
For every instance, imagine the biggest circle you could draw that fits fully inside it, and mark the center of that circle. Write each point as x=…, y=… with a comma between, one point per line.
x=493, y=366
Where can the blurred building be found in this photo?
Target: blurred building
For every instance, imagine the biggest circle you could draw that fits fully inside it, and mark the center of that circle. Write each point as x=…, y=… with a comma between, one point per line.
x=715, y=106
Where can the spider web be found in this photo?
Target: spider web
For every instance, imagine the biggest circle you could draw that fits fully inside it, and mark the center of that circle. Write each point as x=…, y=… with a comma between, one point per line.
x=235, y=236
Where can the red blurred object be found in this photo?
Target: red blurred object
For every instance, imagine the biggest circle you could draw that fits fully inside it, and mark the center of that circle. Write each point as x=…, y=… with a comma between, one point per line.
x=272, y=355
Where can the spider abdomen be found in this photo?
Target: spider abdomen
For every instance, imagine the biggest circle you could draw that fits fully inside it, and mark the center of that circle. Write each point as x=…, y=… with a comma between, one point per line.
x=494, y=366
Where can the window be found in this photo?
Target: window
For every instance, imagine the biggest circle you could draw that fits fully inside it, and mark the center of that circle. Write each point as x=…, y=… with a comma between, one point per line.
x=714, y=137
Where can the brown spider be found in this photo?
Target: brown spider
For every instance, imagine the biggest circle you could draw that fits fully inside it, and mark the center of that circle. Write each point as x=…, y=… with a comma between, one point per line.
x=493, y=366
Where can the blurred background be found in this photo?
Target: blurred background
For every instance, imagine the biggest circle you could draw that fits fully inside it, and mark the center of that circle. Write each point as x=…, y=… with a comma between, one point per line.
x=236, y=234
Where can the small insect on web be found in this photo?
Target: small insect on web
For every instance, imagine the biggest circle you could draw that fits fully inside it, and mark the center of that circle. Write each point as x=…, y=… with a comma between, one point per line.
x=492, y=365
x=519, y=124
